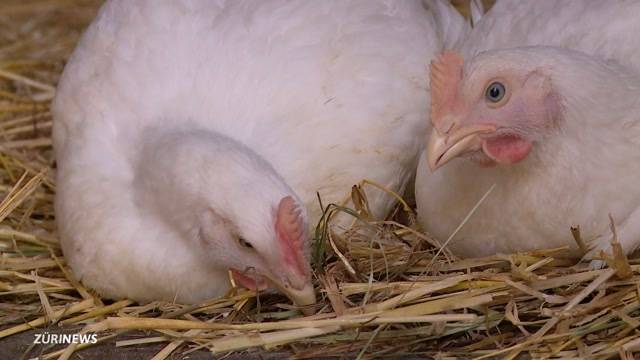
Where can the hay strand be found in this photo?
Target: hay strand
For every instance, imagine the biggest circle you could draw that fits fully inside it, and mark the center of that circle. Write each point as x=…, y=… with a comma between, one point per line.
x=388, y=289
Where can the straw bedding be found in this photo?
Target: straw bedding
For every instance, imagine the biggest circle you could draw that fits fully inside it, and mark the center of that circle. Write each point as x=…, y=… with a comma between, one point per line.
x=385, y=288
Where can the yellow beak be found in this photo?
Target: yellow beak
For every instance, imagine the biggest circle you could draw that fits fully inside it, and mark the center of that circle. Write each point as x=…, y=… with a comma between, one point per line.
x=302, y=297
x=444, y=147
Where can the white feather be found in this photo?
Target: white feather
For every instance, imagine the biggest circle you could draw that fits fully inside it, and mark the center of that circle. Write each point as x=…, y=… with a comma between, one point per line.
x=310, y=96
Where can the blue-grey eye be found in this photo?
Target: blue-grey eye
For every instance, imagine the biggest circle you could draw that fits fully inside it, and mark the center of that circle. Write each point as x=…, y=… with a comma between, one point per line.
x=495, y=92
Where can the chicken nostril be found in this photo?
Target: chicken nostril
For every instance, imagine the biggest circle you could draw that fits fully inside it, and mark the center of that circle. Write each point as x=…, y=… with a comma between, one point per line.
x=286, y=283
x=451, y=126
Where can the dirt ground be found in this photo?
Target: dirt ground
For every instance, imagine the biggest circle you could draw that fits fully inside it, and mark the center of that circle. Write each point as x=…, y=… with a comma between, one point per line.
x=21, y=346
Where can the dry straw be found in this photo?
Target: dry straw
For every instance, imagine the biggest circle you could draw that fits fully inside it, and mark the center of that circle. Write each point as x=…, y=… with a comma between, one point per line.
x=385, y=288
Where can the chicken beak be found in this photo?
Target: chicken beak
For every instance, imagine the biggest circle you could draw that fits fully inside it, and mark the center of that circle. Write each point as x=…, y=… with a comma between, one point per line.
x=302, y=297
x=444, y=147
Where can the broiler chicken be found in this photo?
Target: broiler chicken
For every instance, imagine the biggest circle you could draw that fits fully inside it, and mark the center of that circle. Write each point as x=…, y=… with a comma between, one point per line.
x=545, y=106
x=192, y=136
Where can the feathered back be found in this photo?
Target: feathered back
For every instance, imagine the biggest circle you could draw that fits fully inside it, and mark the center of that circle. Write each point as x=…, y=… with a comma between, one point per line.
x=607, y=28
x=452, y=27
x=344, y=82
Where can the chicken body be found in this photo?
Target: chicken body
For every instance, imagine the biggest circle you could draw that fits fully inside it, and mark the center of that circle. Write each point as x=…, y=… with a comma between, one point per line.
x=192, y=136
x=574, y=115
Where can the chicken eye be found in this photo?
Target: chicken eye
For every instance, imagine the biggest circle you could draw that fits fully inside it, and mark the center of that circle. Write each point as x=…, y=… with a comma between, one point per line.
x=245, y=243
x=495, y=92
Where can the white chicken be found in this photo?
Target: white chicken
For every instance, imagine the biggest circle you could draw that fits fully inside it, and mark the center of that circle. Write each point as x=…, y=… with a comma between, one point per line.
x=556, y=130
x=192, y=136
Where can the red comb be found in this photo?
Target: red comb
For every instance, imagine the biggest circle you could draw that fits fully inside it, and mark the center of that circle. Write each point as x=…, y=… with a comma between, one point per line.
x=290, y=230
x=446, y=74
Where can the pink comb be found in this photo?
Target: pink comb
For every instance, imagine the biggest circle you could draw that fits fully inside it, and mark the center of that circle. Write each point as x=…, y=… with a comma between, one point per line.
x=446, y=74
x=290, y=230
